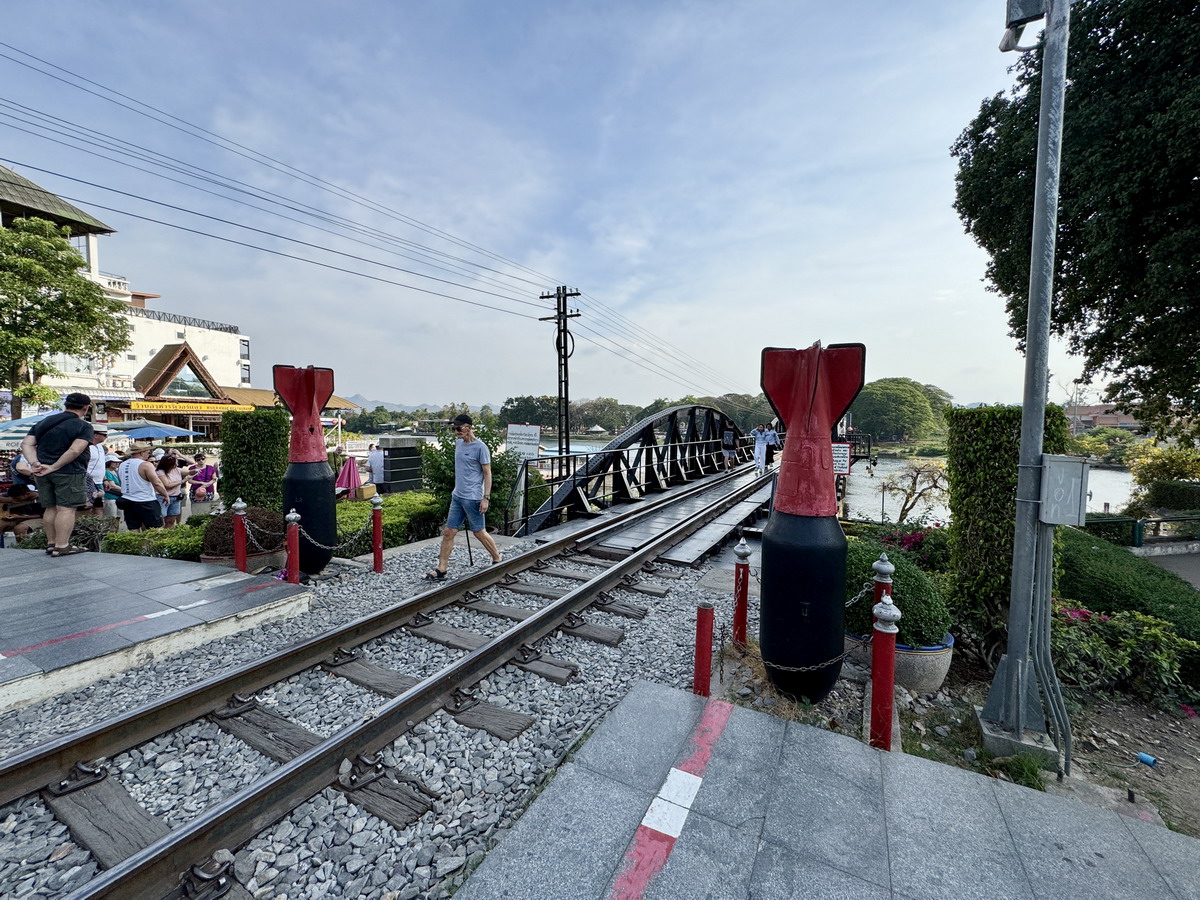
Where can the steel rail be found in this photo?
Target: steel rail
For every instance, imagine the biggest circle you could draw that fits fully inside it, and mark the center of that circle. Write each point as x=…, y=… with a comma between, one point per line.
x=155, y=871
x=51, y=762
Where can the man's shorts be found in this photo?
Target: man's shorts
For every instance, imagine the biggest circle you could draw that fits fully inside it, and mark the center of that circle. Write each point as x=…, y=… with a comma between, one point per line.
x=465, y=509
x=62, y=489
x=143, y=514
x=730, y=454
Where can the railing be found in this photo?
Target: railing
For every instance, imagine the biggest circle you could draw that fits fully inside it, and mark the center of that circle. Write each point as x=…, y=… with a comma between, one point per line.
x=1130, y=532
x=161, y=316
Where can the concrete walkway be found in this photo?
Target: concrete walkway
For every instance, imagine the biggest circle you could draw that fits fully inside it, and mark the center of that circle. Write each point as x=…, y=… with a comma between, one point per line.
x=1185, y=565
x=64, y=623
x=677, y=797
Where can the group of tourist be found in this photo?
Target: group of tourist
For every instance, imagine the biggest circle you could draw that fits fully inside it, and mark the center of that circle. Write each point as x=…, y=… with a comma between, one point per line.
x=64, y=470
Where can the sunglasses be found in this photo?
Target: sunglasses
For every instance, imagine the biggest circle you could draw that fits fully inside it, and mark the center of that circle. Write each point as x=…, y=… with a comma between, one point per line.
x=458, y=427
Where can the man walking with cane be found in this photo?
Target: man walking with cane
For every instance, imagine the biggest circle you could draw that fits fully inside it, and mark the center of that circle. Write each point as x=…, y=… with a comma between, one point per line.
x=469, y=502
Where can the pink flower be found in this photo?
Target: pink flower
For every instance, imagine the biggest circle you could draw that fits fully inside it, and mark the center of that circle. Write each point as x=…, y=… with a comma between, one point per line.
x=1191, y=713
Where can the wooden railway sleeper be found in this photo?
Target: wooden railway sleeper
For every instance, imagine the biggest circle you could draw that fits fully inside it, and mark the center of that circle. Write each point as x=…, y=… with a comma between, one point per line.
x=238, y=704
x=83, y=774
x=355, y=774
x=209, y=879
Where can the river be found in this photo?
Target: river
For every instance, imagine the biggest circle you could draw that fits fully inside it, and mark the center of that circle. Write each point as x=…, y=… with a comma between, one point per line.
x=864, y=499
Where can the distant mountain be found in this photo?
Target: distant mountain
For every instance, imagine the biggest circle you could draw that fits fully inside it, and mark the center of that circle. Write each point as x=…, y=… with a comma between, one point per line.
x=400, y=407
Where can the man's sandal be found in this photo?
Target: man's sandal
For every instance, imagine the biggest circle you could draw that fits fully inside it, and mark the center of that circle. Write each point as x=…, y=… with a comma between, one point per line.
x=434, y=575
x=67, y=551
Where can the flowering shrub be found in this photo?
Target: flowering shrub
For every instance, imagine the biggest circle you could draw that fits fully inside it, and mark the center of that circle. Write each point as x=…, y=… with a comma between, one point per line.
x=930, y=547
x=1126, y=651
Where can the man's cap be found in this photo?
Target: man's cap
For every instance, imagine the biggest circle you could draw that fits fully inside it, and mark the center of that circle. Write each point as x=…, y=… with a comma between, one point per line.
x=140, y=447
x=77, y=401
x=99, y=428
x=463, y=419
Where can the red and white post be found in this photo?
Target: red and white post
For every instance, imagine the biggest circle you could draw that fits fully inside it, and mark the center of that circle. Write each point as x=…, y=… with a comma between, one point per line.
x=377, y=532
x=741, y=594
x=239, y=534
x=702, y=677
x=883, y=671
x=884, y=571
x=293, y=547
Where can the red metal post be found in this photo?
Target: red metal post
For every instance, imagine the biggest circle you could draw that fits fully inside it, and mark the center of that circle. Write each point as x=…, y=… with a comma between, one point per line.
x=239, y=535
x=293, y=547
x=741, y=594
x=377, y=531
x=883, y=672
x=704, y=653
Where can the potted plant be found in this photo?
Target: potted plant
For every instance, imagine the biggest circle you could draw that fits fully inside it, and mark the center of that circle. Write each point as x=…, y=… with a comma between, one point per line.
x=265, y=544
x=924, y=645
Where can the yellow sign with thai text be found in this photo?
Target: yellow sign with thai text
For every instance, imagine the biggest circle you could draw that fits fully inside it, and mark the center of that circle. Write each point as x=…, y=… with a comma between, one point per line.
x=154, y=406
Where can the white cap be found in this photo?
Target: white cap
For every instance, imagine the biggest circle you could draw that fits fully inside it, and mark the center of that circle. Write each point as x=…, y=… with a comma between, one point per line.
x=159, y=453
x=112, y=457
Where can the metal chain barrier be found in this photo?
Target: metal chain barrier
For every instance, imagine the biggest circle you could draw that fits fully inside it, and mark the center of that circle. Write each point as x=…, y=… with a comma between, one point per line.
x=251, y=529
x=346, y=543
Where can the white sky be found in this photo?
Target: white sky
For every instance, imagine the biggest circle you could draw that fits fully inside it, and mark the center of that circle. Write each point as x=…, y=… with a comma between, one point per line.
x=725, y=176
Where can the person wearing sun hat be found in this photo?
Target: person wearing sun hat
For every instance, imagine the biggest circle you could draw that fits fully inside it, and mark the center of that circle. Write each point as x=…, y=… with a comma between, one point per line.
x=95, y=467
x=139, y=484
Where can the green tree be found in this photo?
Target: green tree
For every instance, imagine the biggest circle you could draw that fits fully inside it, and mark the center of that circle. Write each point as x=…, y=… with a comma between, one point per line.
x=48, y=307
x=1150, y=463
x=1127, y=266
x=530, y=411
x=918, y=484
x=893, y=409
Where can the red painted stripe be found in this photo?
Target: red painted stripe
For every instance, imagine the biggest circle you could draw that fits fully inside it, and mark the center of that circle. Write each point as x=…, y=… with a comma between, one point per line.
x=70, y=637
x=645, y=858
x=648, y=852
x=704, y=737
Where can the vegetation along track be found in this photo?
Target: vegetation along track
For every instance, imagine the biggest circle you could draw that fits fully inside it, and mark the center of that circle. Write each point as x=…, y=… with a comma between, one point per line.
x=143, y=858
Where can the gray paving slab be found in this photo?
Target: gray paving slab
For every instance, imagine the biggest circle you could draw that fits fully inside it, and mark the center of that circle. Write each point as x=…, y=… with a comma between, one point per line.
x=741, y=771
x=14, y=667
x=946, y=834
x=709, y=859
x=1175, y=856
x=828, y=802
x=781, y=873
x=152, y=628
x=640, y=740
x=567, y=846
x=65, y=615
x=1075, y=851
x=60, y=654
x=211, y=612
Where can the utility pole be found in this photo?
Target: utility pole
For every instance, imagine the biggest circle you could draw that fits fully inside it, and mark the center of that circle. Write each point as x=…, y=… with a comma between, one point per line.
x=1014, y=708
x=564, y=342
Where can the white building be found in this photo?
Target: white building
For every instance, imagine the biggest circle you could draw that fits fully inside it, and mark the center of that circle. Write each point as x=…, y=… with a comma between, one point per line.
x=223, y=349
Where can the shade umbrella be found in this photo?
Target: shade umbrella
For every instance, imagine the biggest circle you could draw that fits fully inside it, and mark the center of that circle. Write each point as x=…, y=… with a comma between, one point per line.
x=23, y=425
x=349, y=478
x=155, y=430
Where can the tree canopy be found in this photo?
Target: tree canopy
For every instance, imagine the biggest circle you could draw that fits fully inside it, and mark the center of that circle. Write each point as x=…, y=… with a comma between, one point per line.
x=48, y=307
x=1127, y=267
x=894, y=409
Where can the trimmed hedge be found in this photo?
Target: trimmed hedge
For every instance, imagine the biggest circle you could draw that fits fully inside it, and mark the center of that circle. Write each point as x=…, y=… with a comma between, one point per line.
x=1176, y=495
x=1108, y=579
x=984, y=449
x=924, y=617
x=171, y=543
x=407, y=517
x=254, y=456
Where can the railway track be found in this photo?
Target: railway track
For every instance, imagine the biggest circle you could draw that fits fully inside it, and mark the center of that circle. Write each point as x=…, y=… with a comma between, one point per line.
x=143, y=858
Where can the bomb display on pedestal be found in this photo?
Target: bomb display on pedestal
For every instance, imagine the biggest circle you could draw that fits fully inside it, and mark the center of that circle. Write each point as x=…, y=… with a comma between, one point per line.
x=803, y=547
x=308, y=485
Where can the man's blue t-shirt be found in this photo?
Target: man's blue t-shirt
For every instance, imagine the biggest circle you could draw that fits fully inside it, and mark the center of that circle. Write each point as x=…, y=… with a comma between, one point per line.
x=469, y=460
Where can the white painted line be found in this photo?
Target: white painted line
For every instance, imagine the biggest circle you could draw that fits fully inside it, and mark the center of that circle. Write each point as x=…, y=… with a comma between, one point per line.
x=680, y=788
x=665, y=817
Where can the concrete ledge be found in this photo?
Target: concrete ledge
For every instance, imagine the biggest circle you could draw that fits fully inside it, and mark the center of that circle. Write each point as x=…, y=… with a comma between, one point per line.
x=1174, y=549
x=32, y=688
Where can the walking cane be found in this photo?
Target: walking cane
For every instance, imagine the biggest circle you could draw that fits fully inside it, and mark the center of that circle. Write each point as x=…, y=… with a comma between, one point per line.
x=470, y=554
